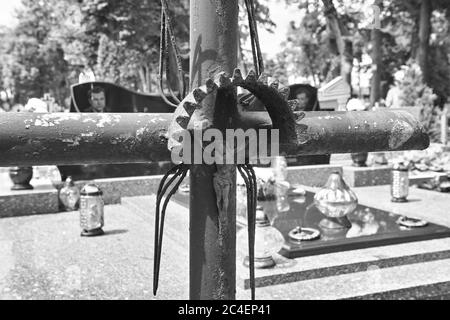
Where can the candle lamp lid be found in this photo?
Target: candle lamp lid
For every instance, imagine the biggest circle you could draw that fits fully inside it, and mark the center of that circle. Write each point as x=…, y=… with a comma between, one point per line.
x=400, y=166
x=91, y=189
x=69, y=182
x=336, y=191
x=261, y=218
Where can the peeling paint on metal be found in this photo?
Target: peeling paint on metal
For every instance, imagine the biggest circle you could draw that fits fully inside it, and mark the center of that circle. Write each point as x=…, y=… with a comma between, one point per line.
x=140, y=132
x=41, y=122
x=401, y=132
x=156, y=120
x=72, y=142
x=106, y=119
x=90, y=134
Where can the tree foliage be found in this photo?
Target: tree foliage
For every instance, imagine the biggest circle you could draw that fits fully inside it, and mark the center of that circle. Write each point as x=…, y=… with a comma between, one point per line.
x=119, y=41
x=34, y=63
x=123, y=38
x=54, y=39
x=262, y=17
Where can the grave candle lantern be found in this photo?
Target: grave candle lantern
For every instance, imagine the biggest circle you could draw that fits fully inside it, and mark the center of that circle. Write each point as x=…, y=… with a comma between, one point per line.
x=399, y=182
x=91, y=211
x=336, y=201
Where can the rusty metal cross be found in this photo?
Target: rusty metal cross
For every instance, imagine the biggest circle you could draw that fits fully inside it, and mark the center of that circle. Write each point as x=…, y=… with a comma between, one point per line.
x=46, y=139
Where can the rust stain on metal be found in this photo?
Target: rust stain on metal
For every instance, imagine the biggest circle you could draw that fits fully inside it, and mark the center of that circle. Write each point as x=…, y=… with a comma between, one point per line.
x=401, y=132
x=72, y=139
x=220, y=292
x=107, y=119
x=223, y=181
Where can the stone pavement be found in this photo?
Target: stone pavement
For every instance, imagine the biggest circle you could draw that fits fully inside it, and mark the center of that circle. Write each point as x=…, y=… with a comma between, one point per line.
x=43, y=257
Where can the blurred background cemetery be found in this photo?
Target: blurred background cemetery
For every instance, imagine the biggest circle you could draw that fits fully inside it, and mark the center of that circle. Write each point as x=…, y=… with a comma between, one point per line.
x=375, y=46
x=390, y=53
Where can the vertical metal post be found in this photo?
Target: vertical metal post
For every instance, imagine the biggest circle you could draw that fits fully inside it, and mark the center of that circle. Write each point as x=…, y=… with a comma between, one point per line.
x=213, y=43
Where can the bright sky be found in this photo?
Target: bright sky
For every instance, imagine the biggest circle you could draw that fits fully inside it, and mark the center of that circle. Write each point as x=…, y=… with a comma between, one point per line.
x=281, y=15
x=7, y=11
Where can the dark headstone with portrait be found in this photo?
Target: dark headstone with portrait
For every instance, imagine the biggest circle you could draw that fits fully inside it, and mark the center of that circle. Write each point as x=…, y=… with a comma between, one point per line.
x=118, y=100
x=312, y=104
x=309, y=97
x=309, y=92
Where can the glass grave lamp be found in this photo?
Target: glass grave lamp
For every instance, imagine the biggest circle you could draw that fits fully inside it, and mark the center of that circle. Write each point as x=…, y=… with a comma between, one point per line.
x=282, y=186
x=268, y=241
x=335, y=201
x=54, y=176
x=69, y=195
x=91, y=211
x=399, y=182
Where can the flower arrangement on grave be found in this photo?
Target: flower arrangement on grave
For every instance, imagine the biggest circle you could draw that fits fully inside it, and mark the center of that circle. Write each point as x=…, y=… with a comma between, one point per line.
x=435, y=158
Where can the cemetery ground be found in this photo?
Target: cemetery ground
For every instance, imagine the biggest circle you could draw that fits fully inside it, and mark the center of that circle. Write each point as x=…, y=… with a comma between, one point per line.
x=43, y=257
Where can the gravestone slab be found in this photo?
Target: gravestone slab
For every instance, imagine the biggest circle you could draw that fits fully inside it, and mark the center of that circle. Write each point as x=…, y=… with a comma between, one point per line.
x=42, y=199
x=366, y=176
x=370, y=227
x=313, y=176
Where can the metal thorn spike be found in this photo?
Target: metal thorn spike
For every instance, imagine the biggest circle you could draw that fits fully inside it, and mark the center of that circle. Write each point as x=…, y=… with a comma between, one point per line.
x=199, y=95
x=263, y=78
x=275, y=84
x=237, y=76
x=294, y=104
x=251, y=77
x=183, y=121
x=210, y=85
x=224, y=80
x=190, y=107
x=284, y=92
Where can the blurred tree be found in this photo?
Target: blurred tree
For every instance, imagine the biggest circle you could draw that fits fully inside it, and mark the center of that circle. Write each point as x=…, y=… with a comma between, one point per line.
x=325, y=40
x=330, y=35
x=262, y=16
x=55, y=39
x=122, y=38
x=35, y=63
x=340, y=34
x=414, y=92
x=420, y=29
x=375, y=88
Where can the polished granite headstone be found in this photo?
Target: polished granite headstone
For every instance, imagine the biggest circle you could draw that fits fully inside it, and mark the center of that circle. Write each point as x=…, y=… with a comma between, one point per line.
x=370, y=227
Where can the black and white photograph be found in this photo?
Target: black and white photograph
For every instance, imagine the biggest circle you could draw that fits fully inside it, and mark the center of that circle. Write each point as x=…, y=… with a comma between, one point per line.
x=242, y=152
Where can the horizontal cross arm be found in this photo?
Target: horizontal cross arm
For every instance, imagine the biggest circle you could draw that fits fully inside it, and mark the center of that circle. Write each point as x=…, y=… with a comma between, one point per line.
x=363, y=131
x=82, y=138
x=28, y=139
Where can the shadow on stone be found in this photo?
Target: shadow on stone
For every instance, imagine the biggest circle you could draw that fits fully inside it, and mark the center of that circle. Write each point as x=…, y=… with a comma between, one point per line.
x=114, y=232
